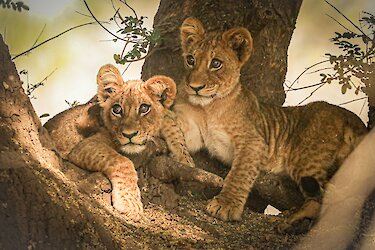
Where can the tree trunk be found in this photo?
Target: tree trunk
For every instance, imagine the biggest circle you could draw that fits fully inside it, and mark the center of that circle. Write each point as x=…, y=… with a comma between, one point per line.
x=271, y=24
x=40, y=207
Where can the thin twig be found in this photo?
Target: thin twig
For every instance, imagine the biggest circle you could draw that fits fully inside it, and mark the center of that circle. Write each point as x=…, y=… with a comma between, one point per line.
x=123, y=50
x=306, y=87
x=93, y=16
x=303, y=72
x=127, y=67
x=40, y=34
x=33, y=87
x=311, y=94
x=318, y=70
x=339, y=23
x=49, y=39
x=363, y=105
x=354, y=100
x=350, y=21
x=119, y=16
x=117, y=12
x=124, y=2
x=82, y=14
x=138, y=59
x=46, y=78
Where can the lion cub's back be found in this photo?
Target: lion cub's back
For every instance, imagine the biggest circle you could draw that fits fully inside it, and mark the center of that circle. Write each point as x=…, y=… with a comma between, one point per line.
x=329, y=127
x=324, y=116
x=71, y=126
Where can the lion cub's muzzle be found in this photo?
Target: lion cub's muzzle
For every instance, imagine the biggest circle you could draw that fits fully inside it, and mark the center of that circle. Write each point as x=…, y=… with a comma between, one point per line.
x=132, y=142
x=200, y=94
x=197, y=88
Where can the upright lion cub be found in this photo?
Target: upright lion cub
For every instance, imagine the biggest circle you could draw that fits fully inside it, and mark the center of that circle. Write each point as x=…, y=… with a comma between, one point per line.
x=128, y=115
x=216, y=112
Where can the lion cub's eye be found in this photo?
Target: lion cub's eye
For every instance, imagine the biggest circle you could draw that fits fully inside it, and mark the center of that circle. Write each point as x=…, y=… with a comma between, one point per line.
x=144, y=109
x=190, y=60
x=216, y=64
x=116, y=109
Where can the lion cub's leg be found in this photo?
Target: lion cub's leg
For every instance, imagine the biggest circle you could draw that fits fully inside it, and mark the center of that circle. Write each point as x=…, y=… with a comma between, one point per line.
x=174, y=136
x=310, y=172
x=229, y=204
x=96, y=154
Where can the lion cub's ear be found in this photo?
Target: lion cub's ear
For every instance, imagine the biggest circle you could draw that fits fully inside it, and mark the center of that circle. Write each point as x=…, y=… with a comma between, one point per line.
x=240, y=41
x=161, y=89
x=191, y=31
x=109, y=82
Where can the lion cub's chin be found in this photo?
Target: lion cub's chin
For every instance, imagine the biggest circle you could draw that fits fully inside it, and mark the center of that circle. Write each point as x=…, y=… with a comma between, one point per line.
x=132, y=148
x=200, y=100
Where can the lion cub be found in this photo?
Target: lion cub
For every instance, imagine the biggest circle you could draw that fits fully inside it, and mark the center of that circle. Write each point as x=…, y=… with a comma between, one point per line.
x=218, y=114
x=126, y=116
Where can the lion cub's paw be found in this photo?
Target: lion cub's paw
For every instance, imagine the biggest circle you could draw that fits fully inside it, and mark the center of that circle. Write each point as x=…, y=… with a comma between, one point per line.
x=302, y=220
x=224, y=209
x=128, y=203
x=300, y=227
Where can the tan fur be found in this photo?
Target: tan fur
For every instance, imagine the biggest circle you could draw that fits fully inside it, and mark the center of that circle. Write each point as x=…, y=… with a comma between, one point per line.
x=217, y=113
x=124, y=118
x=343, y=204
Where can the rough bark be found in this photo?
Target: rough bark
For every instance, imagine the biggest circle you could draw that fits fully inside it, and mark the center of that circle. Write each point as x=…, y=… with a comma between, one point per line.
x=271, y=24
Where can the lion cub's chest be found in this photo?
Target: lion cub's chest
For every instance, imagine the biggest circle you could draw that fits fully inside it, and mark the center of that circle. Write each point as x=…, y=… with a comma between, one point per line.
x=219, y=143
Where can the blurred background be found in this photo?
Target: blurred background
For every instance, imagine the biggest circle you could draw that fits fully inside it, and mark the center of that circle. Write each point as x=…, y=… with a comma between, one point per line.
x=71, y=61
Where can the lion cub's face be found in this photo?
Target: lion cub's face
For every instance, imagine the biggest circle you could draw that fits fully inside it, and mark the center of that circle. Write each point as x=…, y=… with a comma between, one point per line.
x=133, y=111
x=213, y=59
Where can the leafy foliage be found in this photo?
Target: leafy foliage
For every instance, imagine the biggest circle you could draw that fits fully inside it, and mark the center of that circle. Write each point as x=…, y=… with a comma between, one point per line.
x=354, y=68
x=130, y=31
x=17, y=6
x=141, y=38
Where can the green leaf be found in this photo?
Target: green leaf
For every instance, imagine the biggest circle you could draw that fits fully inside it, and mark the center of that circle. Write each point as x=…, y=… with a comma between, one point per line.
x=127, y=30
x=343, y=89
x=117, y=58
x=137, y=53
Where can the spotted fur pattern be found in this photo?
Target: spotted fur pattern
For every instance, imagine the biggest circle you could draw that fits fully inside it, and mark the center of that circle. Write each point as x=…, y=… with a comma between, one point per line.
x=123, y=119
x=215, y=112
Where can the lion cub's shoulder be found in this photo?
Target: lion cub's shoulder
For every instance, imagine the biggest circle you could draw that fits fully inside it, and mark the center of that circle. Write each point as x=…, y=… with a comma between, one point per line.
x=71, y=126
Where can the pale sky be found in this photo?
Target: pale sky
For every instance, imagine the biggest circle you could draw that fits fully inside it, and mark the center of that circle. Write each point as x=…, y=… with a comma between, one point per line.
x=77, y=55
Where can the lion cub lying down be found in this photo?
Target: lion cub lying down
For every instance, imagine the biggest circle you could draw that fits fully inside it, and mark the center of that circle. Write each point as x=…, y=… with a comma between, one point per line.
x=129, y=115
x=217, y=113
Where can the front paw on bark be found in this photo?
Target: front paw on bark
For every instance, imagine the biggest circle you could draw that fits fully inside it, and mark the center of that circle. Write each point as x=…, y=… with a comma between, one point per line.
x=225, y=209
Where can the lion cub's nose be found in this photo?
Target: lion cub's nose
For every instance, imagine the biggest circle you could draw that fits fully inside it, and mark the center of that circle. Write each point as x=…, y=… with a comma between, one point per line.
x=129, y=136
x=197, y=88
